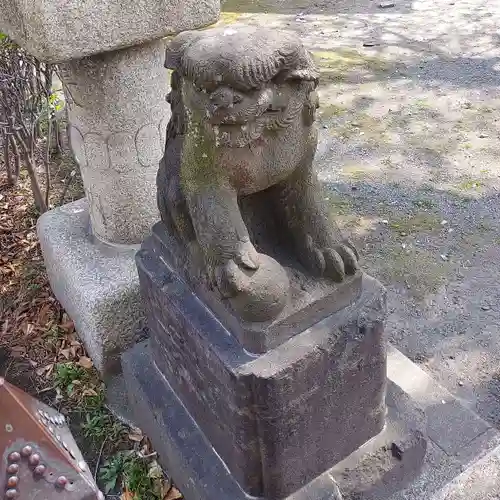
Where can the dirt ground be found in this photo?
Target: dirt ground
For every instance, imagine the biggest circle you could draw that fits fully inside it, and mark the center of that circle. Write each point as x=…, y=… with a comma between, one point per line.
x=41, y=353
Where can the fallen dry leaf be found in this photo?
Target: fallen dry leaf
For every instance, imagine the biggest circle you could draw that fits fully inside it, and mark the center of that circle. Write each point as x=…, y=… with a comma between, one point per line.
x=66, y=353
x=85, y=362
x=43, y=314
x=127, y=495
x=173, y=494
x=136, y=435
x=45, y=370
x=89, y=392
x=68, y=326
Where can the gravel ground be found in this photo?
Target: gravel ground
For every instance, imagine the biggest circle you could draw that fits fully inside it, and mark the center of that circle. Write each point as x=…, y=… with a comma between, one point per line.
x=409, y=158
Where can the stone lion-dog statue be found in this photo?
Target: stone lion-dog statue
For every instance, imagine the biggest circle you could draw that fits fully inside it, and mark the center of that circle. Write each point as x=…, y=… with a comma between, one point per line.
x=243, y=105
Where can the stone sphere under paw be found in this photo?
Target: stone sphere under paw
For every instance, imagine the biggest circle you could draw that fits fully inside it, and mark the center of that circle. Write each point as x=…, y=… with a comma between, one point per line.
x=264, y=291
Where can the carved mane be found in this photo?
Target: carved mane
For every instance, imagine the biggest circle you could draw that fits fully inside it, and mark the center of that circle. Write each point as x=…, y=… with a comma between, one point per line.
x=251, y=59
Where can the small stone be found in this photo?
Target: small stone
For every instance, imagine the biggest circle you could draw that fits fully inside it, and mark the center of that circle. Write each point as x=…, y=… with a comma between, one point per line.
x=385, y=221
x=444, y=222
x=370, y=43
x=386, y=5
x=485, y=308
x=460, y=383
x=483, y=136
x=444, y=257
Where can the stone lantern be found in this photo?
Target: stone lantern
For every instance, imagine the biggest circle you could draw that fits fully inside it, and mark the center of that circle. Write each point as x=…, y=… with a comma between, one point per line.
x=110, y=54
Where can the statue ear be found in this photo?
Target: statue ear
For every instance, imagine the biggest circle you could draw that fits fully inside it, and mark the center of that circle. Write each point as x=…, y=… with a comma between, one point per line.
x=177, y=46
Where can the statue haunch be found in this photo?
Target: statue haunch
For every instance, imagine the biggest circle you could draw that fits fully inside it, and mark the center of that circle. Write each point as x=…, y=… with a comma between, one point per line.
x=243, y=107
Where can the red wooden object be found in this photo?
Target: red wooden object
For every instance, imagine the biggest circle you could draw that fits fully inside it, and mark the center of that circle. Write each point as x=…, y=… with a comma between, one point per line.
x=39, y=458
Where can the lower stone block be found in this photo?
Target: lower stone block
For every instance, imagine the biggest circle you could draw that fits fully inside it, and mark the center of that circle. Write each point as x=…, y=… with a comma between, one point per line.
x=96, y=284
x=372, y=472
x=276, y=420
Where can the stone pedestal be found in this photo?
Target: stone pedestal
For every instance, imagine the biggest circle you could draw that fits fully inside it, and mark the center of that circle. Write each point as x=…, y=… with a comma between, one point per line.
x=276, y=420
x=96, y=282
x=111, y=57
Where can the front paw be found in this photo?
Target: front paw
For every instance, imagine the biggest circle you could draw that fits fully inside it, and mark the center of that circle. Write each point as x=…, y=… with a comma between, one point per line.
x=231, y=276
x=333, y=262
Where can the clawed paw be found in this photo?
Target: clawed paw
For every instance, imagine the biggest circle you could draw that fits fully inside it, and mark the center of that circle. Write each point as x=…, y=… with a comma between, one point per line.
x=333, y=262
x=230, y=277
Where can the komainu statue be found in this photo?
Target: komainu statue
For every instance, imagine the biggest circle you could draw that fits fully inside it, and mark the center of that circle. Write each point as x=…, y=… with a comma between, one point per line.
x=236, y=186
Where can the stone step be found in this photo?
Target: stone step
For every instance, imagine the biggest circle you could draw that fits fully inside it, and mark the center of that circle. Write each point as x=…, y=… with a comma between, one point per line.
x=458, y=439
x=481, y=481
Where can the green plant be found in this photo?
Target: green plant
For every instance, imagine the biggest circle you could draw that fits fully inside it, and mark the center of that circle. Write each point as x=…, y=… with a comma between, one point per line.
x=99, y=426
x=132, y=473
x=67, y=375
x=111, y=471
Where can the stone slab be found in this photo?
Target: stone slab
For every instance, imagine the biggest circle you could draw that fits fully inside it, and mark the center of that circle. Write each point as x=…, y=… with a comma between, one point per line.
x=96, y=284
x=452, y=426
x=56, y=31
x=454, y=444
x=281, y=418
x=481, y=481
x=200, y=472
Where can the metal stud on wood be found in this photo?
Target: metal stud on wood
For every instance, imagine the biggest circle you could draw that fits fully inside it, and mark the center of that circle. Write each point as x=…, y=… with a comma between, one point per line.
x=34, y=462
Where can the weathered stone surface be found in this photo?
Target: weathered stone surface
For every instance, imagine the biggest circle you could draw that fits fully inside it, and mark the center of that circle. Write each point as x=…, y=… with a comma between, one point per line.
x=236, y=187
x=56, y=31
x=280, y=419
x=118, y=117
x=96, y=284
x=201, y=474
x=481, y=481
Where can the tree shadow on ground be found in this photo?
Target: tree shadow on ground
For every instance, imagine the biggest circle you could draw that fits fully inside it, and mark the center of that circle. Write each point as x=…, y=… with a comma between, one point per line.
x=325, y=7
